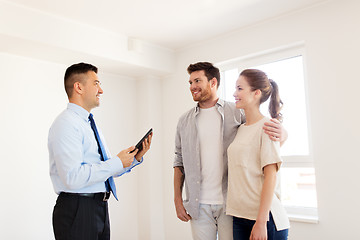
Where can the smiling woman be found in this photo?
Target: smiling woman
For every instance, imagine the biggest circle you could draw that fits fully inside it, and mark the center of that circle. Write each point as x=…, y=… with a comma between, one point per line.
x=298, y=188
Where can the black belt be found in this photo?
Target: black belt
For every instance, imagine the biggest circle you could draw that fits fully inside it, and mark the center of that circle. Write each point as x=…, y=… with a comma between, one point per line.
x=103, y=196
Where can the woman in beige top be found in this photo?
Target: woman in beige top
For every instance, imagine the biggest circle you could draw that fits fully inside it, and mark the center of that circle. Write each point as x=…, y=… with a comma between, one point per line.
x=254, y=160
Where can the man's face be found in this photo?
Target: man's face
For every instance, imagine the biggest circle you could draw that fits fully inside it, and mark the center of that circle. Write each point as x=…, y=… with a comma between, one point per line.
x=200, y=86
x=91, y=90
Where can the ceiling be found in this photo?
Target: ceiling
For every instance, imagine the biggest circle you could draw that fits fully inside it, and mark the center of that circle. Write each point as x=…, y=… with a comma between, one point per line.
x=168, y=23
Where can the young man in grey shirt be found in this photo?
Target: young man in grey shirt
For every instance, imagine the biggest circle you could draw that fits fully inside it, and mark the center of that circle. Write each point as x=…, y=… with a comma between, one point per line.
x=202, y=138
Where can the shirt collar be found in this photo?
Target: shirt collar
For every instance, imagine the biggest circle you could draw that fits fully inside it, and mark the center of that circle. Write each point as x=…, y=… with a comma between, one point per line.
x=219, y=103
x=84, y=114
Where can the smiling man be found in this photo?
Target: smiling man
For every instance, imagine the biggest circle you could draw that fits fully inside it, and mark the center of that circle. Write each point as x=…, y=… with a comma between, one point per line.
x=203, y=135
x=81, y=168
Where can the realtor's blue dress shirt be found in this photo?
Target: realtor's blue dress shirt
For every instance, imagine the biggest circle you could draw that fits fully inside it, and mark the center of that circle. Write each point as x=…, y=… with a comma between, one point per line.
x=75, y=162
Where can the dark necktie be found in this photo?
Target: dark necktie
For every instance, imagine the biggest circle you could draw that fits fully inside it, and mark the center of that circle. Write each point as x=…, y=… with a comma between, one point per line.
x=109, y=183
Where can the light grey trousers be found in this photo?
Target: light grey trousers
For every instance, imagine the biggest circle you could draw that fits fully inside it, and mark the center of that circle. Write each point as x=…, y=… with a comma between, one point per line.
x=212, y=222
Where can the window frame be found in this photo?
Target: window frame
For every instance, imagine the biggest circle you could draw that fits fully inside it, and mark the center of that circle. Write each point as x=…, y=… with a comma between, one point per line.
x=295, y=213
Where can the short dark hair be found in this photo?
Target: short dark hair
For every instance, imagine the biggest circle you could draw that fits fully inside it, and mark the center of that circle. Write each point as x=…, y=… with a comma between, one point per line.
x=71, y=75
x=210, y=70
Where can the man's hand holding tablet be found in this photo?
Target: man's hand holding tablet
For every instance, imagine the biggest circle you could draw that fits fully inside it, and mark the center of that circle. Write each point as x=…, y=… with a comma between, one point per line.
x=143, y=145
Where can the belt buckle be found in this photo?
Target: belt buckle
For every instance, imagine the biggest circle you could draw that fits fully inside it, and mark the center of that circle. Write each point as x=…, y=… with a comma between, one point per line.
x=106, y=196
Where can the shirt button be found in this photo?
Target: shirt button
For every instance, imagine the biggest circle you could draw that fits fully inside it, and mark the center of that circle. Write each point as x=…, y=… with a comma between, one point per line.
x=198, y=182
x=196, y=199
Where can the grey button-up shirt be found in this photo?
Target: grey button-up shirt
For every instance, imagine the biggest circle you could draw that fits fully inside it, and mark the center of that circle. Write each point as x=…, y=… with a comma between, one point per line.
x=187, y=150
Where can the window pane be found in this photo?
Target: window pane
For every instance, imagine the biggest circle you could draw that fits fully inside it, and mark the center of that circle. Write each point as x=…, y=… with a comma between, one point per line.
x=298, y=187
x=232, y=75
x=289, y=75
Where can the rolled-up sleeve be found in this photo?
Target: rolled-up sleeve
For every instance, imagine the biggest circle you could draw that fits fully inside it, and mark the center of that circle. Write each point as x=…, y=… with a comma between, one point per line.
x=178, y=161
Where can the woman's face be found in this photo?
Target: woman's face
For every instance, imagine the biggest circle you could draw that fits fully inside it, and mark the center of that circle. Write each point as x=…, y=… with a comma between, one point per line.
x=245, y=97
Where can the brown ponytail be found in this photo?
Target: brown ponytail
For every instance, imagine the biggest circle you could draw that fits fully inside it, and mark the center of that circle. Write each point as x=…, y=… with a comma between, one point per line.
x=275, y=103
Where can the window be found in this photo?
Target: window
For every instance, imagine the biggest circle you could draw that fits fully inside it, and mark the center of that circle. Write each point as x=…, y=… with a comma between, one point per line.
x=297, y=174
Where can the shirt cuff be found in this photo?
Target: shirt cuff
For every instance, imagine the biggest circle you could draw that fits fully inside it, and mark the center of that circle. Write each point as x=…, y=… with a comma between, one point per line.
x=128, y=169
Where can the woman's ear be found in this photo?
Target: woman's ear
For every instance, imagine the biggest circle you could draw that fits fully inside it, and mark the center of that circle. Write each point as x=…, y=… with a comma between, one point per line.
x=257, y=93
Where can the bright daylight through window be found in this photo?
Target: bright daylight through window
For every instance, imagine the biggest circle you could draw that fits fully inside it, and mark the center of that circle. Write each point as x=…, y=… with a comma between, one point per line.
x=298, y=187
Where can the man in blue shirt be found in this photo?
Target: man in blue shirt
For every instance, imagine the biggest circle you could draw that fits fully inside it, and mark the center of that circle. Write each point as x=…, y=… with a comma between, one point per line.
x=81, y=168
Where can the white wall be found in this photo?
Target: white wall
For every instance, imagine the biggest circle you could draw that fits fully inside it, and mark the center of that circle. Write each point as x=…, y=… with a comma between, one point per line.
x=149, y=108
x=332, y=36
x=30, y=32
x=30, y=100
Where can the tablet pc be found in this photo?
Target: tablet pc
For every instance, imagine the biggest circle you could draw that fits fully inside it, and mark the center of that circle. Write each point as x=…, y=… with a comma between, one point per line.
x=139, y=144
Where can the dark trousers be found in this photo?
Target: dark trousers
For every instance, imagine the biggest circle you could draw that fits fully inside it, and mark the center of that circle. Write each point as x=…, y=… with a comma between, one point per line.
x=242, y=229
x=80, y=218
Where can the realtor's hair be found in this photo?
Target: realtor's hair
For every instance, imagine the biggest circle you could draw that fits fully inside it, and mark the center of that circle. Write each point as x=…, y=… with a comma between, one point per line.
x=73, y=75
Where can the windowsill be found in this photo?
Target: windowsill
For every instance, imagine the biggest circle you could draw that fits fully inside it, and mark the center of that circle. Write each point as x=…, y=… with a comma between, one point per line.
x=303, y=218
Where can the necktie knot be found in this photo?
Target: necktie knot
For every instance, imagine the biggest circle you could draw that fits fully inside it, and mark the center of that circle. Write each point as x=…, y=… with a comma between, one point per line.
x=91, y=118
